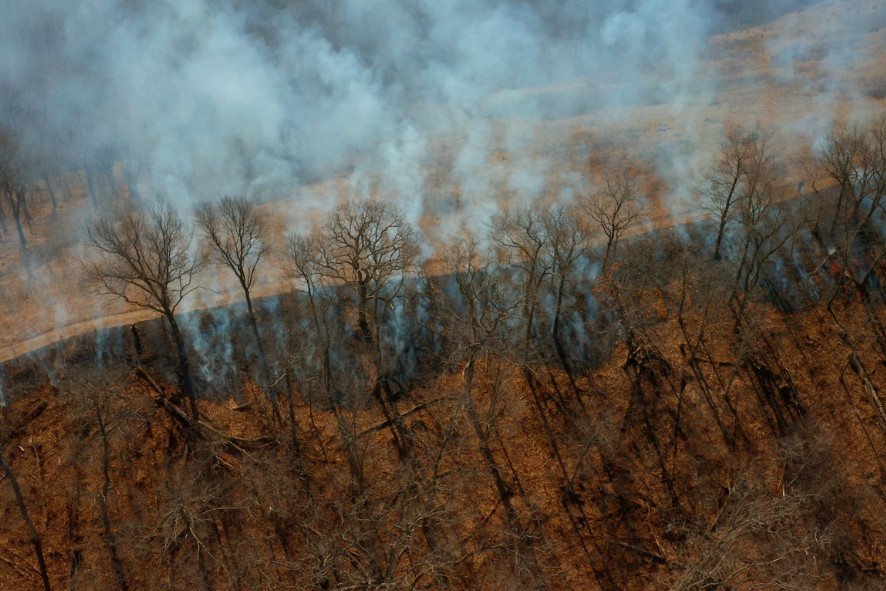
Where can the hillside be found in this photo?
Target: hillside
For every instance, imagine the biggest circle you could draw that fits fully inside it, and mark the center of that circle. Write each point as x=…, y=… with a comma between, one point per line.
x=796, y=75
x=619, y=327
x=749, y=460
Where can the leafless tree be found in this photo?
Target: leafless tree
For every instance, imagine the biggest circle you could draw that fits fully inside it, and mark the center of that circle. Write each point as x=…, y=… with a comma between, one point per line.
x=521, y=238
x=741, y=155
x=304, y=267
x=543, y=246
x=771, y=533
x=36, y=541
x=369, y=247
x=14, y=179
x=106, y=156
x=699, y=304
x=854, y=158
x=479, y=319
x=613, y=209
x=146, y=260
x=100, y=408
x=763, y=225
x=568, y=243
x=845, y=159
x=237, y=237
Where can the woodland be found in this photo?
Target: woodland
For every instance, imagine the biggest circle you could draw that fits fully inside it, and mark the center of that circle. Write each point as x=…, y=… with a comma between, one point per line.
x=579, y=396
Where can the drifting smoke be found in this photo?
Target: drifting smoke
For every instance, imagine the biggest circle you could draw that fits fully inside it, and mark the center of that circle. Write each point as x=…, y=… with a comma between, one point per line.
x=228, y=97
x=266, y=98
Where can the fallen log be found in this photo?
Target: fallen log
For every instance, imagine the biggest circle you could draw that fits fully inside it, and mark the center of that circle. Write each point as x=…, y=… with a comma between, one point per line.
x=200, y=428
x=869, y=386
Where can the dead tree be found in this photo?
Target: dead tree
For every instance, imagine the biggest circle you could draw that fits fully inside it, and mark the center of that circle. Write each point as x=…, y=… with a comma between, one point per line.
x=146, y=260
x=23, y=510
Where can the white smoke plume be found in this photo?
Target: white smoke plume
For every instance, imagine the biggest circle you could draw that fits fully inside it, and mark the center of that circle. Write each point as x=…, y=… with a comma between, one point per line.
x=232, y=96
x=435, y=104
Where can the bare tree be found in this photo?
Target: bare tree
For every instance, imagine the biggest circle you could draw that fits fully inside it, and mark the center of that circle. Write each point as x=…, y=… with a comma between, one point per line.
x=304, y=267
x=763, y=225
x=855, y=159
x=105, y=156
x=568, y=243
x=14, y=180
x=845, y=159
x=521, y=238
x=756, y=538
x=726, y=182
x=100, y=407
x=369, y=247
x=544, y=246
x=146, y=260
x=23, y=510
x=613, y=209
x=237, y=237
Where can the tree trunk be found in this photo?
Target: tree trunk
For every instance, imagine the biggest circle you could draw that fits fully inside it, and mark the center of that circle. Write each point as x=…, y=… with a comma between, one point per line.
x=51, y=192
x=185, y=379
x=558, y=343
x=108, y=172
x=504, y=490
x=724, y=216
x=12, y=197
x=363, y=313
x=110, y=538
x=130, y=177
x=23, y=509
x=3, y=227
x=22, y=198
x=610, y=247
x=262, y=356
x=90, y=185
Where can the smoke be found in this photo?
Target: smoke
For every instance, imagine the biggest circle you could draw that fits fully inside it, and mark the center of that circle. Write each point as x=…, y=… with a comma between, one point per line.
x=437, y=105
x=221, y=97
